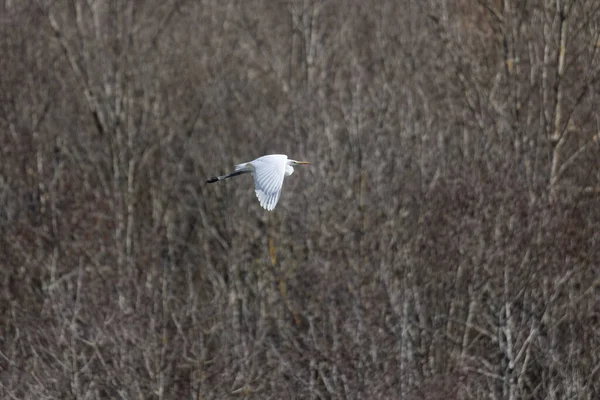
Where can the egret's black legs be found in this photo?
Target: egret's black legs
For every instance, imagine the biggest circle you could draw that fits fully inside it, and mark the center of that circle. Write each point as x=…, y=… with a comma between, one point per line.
x=220, y=178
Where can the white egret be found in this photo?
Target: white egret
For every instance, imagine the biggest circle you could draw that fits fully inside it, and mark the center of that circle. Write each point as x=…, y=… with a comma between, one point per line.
x=268, y=172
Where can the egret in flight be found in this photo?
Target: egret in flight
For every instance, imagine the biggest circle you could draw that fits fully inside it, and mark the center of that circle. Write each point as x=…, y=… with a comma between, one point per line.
x=268, y=172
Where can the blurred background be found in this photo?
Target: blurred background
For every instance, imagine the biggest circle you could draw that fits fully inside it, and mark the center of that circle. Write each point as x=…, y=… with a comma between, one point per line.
x=443, y=243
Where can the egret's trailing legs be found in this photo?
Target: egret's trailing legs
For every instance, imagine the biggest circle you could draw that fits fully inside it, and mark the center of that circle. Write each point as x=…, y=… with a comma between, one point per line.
x=231, y=175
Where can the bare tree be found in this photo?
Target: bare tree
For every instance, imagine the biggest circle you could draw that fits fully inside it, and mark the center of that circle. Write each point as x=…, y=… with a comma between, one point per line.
x=443, y=243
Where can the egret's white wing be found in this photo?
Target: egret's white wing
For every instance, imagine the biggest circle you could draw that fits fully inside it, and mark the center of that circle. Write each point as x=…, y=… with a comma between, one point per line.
x=268, y=178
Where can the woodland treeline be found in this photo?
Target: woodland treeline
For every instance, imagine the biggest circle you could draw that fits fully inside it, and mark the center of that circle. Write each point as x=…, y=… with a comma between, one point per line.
x=443, y=244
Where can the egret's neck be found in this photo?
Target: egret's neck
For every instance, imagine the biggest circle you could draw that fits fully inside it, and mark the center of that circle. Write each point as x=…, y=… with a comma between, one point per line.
x=289, y=170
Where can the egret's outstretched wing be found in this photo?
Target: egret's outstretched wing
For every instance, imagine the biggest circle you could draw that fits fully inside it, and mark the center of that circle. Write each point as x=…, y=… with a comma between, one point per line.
x=268, y=178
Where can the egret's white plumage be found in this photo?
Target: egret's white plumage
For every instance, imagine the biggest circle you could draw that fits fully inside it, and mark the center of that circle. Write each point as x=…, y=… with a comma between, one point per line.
x=268, y=172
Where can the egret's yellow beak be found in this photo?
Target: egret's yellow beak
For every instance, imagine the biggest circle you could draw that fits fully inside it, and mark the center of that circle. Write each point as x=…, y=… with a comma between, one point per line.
x=303, y=162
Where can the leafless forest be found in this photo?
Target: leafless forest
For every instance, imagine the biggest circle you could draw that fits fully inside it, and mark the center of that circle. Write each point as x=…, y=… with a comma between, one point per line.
x=444, y=243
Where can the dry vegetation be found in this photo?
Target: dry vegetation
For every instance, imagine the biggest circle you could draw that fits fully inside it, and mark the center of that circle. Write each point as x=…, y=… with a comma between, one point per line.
x=443, y=244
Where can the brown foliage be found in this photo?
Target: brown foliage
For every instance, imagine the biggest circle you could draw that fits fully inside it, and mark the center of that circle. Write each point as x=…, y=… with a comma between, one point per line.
x=443, y=243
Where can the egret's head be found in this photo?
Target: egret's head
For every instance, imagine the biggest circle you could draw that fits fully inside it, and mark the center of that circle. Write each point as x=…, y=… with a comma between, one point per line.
x=289, y=168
